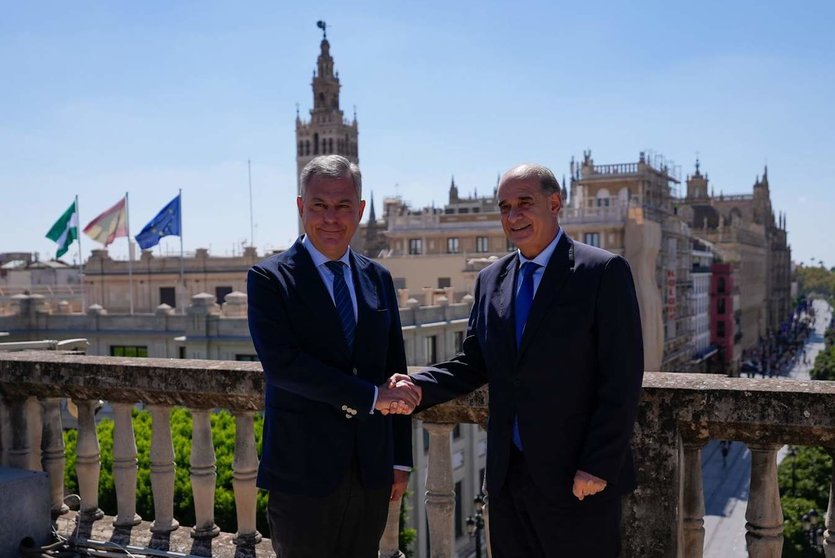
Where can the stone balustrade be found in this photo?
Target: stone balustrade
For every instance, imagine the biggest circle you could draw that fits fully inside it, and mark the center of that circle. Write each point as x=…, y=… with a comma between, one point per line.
x=664, y=518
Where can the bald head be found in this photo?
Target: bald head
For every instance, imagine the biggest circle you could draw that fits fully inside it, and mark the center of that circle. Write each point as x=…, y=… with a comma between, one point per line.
x=540, y=173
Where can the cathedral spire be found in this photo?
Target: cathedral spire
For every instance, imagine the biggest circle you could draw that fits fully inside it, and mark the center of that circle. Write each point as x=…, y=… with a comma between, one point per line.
x=372, y=215
x=326, y=131
x=453, y=191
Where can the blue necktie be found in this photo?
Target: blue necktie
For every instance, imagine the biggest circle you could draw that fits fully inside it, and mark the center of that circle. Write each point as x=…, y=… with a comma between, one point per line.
x=524, y=301
x=342, y=300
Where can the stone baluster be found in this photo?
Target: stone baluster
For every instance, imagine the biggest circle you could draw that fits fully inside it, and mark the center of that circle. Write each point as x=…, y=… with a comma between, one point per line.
x=694, y=501
x=764, y=514
x=124, y=466
x=5, y=432
x=52, y=446
x=244, y=473
x=203, y=475
x=19, y=453
x=34, y=419
x=829, y=520
x=390, y=542
x=88, y=464
x=162, y=469
x=440, y=492
x=486, y=513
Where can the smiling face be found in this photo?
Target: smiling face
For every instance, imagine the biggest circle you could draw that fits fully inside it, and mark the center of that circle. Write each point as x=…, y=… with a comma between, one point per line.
x=529, y=214
x=330, y=213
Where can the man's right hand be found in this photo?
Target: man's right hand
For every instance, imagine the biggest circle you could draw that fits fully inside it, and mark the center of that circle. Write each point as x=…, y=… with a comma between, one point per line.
x=399, y=395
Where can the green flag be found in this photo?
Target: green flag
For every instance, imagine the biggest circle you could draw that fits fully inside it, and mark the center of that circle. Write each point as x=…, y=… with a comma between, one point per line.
x=65, y=230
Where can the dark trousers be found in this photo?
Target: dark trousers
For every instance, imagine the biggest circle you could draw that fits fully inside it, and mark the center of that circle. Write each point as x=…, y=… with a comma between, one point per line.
x=523, y=524
x=347, y=523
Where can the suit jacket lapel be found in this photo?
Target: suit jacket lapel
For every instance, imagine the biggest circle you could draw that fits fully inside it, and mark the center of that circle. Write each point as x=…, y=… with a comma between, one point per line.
x=559, y=269
x=367, y=299
x=502, y=300
x=368, y=304
x=313, y=291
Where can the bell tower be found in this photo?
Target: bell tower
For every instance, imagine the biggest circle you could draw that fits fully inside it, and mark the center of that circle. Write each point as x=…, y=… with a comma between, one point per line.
x=327, y=131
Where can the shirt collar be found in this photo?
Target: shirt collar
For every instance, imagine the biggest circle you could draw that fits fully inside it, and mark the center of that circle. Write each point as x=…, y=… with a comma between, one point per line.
x=543, y=257
x=319, y=259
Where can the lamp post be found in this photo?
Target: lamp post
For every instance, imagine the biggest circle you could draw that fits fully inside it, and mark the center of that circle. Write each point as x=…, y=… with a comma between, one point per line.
x=475, y=524
x=814, y=534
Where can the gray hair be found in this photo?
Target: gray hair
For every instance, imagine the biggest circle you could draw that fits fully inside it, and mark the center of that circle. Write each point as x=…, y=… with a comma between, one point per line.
x=331, y=166
x=547, y=180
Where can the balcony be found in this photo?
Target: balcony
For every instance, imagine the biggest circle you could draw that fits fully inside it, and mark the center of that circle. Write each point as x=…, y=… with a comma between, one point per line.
x=590, y=214
x=679, y=413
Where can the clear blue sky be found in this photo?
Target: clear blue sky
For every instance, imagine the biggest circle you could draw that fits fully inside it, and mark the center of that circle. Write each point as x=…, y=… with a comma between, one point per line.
x=99, y=98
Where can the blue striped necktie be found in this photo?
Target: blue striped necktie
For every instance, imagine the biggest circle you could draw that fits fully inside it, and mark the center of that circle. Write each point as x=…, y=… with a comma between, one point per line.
x=524, y=301
x=342, y=300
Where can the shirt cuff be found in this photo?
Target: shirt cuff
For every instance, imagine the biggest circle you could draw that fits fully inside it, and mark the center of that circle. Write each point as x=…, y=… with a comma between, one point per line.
x=403, y=468
x=374, y=401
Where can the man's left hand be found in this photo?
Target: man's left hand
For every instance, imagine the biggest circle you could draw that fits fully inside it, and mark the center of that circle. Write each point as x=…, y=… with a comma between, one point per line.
x=586, y=484
x=398, y=488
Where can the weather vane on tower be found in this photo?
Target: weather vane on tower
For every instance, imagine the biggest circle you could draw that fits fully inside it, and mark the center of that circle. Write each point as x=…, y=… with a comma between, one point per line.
x=324, y=27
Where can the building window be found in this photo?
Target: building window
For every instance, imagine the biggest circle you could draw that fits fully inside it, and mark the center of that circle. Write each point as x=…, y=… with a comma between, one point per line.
x=181, y=352
x=592, y=239
x=168, y=295
x=720, y=328
x=481, y=244
x=415, y=246
x=463, y=210
x=720, y=306
x=459, y=512
x=425, y=440
x=444, y=282
x=456, y=432
x=129, y=351
x=431, y=345
x=220, y=294
x=720, y=285
x=459, y=341
x=246, y=358
x=452, y=245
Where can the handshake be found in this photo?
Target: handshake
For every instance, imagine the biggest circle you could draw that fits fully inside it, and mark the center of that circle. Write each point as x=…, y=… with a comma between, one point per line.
x=399, y=395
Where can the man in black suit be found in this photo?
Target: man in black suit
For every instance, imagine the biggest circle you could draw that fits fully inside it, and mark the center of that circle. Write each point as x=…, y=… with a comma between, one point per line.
x=555, y=331
x=326, y=326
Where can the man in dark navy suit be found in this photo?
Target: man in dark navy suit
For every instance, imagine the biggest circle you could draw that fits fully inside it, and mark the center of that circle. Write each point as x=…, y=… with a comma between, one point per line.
x=555, y=331
x=326, y=325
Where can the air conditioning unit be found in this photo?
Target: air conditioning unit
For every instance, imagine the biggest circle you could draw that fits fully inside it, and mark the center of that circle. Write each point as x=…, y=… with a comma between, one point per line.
x=25, y=510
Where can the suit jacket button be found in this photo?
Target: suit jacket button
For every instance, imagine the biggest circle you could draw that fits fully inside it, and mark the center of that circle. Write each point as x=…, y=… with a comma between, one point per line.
x=355, y=371
x=345, y=407
x=349, y=415
x=352, y=411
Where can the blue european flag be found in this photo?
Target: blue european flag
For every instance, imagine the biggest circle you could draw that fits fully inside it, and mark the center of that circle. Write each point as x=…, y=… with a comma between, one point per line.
x=167, y=222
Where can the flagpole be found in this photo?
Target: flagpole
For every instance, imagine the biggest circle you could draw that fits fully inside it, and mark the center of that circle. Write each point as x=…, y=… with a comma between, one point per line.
x=251, y=222
x=130, y=252
x=182, y=274
x=80, y=260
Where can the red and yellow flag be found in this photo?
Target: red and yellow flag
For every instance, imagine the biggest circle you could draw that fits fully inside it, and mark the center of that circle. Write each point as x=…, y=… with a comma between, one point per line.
x=110, y=225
